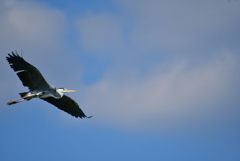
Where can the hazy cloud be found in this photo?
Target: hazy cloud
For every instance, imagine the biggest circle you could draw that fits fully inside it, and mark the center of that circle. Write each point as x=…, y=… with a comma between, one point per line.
x=29, y=24
x=100, y=33
x=191, y=79
x=178, y=97
x=159, y=25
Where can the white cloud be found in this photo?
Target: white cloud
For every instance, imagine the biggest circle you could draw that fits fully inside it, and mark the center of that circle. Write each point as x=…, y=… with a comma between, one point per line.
x=185, y=86
x=100, y=32
x=179, y=24
x=29, y=24
x=178, y=97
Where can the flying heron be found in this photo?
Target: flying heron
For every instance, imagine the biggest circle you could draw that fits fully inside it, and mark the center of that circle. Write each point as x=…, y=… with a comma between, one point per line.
x=39, y=88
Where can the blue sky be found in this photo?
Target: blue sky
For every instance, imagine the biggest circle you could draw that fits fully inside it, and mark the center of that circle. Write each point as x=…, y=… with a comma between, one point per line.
x=161, y=79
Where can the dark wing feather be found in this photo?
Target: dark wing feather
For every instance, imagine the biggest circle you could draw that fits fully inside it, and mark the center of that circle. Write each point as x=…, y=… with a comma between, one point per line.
x=66, y=104
x=27, y=73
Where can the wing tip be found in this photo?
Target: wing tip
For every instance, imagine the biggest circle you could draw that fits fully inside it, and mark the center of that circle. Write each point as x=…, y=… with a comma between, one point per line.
x=14, y=54
x=88, y=117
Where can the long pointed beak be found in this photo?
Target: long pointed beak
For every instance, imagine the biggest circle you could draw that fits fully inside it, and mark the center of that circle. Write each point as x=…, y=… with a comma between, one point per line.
x=70, y=90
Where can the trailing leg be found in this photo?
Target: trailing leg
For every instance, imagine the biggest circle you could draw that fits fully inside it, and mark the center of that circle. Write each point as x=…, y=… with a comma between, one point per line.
x=26, y=97
x=15, y=101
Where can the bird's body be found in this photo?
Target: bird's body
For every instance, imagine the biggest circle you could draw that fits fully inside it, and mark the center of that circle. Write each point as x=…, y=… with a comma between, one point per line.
x=51, y=91
x=39, y=88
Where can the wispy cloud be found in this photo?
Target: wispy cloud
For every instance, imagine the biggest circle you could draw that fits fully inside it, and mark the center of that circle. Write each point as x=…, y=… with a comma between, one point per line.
x=175, y=24
x=100, y=33
x=189, y=58
x=28, y=24
x=180, y=96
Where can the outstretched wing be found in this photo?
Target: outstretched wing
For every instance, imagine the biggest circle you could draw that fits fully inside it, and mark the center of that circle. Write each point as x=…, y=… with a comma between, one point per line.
x=27, y=73
x=66, y=104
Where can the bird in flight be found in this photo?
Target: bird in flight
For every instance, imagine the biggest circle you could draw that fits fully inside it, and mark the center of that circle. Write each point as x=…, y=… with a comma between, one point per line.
x=39, y=88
